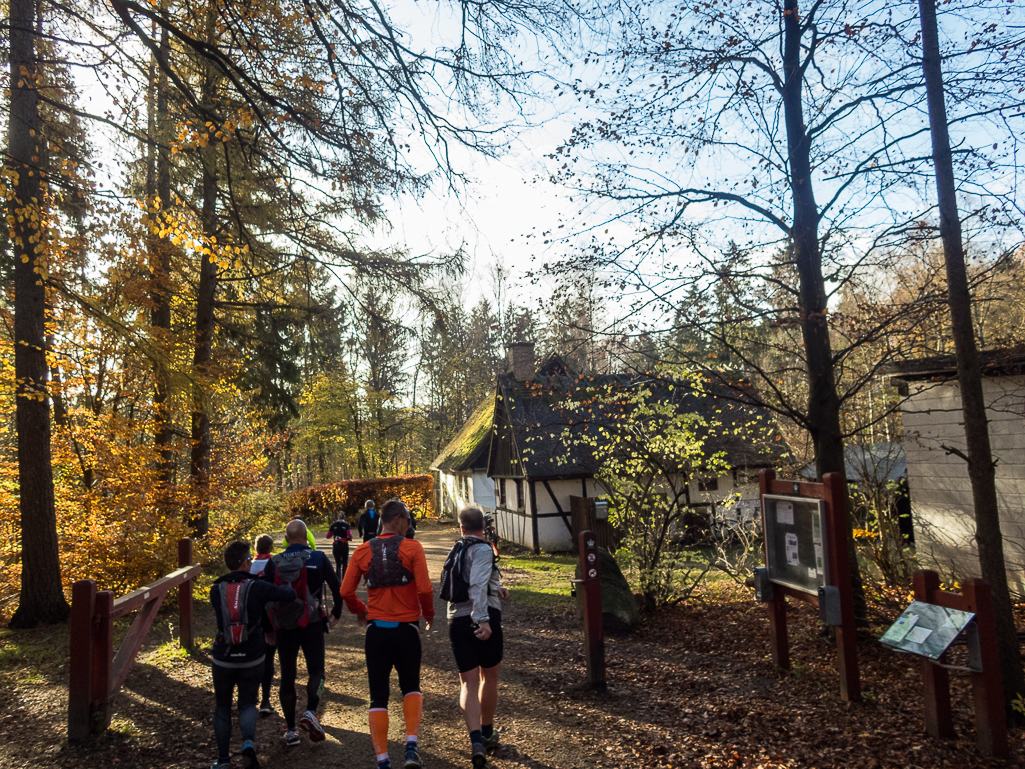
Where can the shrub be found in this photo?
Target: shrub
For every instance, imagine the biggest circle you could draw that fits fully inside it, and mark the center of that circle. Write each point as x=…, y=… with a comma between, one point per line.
x=327, y=501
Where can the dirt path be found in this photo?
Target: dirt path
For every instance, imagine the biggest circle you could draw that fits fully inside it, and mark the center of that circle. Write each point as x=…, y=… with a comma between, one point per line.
x=692, y=688
x=163, y=715
x=443, y=738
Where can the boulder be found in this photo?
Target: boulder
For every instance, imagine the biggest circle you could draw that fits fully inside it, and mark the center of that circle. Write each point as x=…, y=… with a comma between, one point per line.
x=619, y=607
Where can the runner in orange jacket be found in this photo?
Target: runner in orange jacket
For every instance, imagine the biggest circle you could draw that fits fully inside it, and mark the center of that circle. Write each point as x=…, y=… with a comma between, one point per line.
x=399, y=591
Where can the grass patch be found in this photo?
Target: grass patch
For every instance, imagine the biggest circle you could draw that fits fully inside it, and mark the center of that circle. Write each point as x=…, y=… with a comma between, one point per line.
x=543, y=581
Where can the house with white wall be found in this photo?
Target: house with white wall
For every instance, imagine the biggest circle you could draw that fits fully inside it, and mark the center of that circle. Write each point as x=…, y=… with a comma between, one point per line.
x=535, y=472
x=940, y=491
x=462, y=465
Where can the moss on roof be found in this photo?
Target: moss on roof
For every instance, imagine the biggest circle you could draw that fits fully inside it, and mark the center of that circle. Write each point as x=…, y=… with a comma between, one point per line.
x=471, y=441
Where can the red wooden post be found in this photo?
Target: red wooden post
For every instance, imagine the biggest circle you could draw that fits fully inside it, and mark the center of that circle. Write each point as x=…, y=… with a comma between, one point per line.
x=103, y=655
x=594, y=637
x=185, y=595
x=840, y=566
x=990, y=719
x=939, y=719
x=80, y=672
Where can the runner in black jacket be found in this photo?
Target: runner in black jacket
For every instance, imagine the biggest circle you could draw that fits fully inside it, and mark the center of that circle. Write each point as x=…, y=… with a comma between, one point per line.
x=309, y=638
x=240, y=664
x=340, y=535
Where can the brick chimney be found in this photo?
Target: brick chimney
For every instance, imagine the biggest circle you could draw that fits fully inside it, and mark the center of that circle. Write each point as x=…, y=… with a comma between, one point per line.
x=521, y=361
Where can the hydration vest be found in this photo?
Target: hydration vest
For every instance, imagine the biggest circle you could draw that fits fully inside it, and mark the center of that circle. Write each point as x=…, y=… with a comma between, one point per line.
x=290, y=569
x=234, y=616
x=386, y=569
x=454, y=584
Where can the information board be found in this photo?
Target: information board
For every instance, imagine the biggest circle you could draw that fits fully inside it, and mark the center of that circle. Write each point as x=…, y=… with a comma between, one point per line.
x=795, y=542
x=926, y=629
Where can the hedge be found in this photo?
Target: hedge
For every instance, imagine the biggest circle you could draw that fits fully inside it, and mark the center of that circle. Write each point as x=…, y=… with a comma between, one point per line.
x=324, y=502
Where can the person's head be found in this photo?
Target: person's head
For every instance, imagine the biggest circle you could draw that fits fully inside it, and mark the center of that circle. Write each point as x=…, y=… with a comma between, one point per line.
x=295, y=532
x=264, y=544
x=395, y=516
x=236, y=556
x=369, y=504
x=471, y=519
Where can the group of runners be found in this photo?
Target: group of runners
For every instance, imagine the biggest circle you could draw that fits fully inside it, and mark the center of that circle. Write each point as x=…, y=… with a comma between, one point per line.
x=275, y=604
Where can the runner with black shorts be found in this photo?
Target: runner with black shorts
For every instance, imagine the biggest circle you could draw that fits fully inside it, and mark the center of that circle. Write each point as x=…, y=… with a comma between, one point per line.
x=399, y=591
x=475, y=630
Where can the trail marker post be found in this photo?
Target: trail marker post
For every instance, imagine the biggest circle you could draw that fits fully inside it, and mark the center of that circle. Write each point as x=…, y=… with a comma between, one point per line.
x=594, y=632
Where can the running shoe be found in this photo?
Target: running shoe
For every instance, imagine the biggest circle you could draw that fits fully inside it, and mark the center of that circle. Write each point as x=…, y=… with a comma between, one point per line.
x=249, y=759
x=492, y=742
x=478, y=757
x=218, y=764
x=291, y=738
x=412, y=756
x=309, y=723
x=266, y=711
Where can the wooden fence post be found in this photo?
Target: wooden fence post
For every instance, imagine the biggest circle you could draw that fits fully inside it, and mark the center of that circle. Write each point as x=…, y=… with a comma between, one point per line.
x=80, y=673
x=185, y=595
x=103, y=658
x=987, y=691
x=939, y=718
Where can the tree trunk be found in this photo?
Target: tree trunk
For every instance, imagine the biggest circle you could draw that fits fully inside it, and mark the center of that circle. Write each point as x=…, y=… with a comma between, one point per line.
x=42, y=594
x=205, y=293
x=158, y=190
x=981, y=469
x=823, y=400
x=201, y=359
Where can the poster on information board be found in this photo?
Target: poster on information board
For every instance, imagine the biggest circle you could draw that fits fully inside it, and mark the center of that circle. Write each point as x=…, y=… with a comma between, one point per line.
x=795, y=541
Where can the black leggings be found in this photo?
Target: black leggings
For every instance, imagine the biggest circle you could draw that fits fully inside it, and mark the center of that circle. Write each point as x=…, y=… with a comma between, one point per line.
x=248, y=682
x=268, y=673
x=311, y=640
x=340, y=550
x=388, y=648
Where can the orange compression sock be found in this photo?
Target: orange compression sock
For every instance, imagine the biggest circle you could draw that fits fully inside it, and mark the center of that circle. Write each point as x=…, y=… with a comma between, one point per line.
x=412, y=709
x=379, y=732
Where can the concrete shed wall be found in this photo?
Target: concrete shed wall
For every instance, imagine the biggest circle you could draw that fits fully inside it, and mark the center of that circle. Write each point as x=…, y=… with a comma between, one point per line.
x=941, y=495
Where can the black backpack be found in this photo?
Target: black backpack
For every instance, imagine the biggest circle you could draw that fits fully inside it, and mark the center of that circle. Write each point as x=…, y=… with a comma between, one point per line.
x=234, y=615
x=455, y=588
x=386, y=568
x=290, y=570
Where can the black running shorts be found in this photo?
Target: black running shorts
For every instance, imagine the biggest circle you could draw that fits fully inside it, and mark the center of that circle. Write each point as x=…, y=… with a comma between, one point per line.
x=471, y=652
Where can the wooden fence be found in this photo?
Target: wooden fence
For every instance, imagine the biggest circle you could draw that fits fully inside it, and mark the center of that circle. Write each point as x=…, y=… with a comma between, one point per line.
x=96, y=673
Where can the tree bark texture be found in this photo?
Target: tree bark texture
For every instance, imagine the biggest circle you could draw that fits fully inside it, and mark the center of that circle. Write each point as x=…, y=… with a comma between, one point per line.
x=823, y=400
x=981, y=469
x=42, y=594
x=203, y=356
x=159, y=194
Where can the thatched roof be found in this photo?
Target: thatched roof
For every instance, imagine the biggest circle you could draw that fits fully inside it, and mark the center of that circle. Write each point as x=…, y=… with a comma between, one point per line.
x=470, y=446
x=532, y=419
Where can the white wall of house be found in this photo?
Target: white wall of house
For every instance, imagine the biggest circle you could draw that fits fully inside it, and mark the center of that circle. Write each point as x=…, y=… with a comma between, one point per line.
x=514, y=518
x=463, y=489
x=941, y=495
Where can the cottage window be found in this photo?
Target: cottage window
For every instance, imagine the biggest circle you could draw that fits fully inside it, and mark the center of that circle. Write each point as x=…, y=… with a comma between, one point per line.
x=708, y=484
x=500, y=489
x=519, y=493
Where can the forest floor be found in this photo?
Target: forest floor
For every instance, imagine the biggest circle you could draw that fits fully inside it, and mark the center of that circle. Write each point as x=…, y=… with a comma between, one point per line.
x=694, y=686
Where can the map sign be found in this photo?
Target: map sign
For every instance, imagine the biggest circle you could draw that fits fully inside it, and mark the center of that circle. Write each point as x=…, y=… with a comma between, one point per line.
x=795, y=544
x=926, y=629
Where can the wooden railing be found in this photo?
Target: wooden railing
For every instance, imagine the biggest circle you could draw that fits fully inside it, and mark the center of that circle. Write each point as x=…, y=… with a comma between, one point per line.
x=96, y=673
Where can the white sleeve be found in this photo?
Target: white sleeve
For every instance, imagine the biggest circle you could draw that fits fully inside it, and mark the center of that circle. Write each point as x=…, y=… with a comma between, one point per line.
x=480, y=559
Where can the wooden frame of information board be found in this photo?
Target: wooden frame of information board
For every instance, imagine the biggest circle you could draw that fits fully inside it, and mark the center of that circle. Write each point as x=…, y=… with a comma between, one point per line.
x=837, y=562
